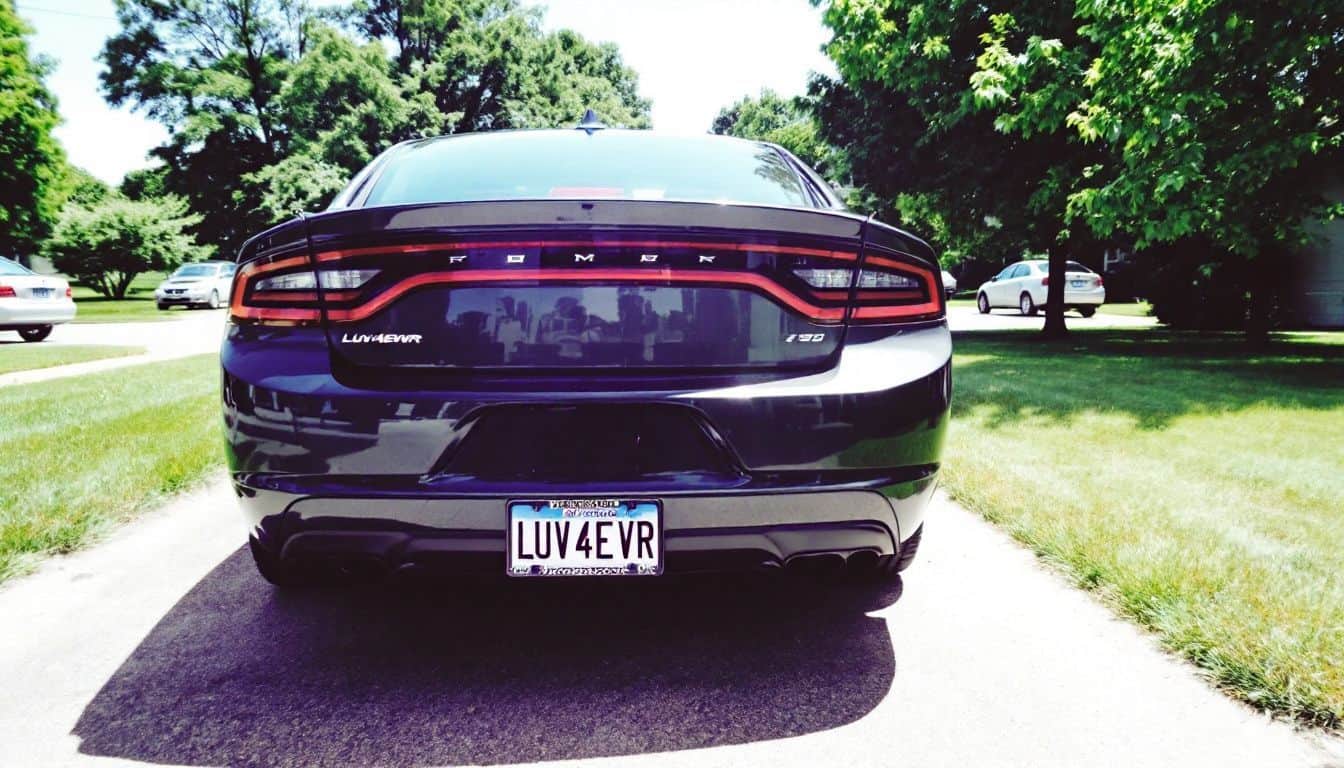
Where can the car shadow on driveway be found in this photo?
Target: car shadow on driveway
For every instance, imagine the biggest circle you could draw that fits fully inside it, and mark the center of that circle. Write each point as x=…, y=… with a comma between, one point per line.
x=505, y=671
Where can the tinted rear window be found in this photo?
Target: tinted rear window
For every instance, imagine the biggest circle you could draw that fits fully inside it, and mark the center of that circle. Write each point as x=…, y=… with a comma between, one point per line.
x=10, y=268
x=631, y=165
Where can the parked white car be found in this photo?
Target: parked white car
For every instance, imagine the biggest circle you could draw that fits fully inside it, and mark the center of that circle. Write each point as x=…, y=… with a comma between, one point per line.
x=199, y=284
x=949, y=284
x=1024, y=285
x=31, y=303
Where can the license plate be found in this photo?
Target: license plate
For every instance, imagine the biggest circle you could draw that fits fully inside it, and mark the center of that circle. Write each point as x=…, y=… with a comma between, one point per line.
x=43, y=293
x=1078, y=283
x=585, y=537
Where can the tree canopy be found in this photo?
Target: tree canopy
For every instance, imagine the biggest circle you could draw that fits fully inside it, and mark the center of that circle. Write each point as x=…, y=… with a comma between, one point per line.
x=108, y=243
x=787, y=122
x=271, y=104
x=1208, y=125
x=925, y=142
x=32, y=165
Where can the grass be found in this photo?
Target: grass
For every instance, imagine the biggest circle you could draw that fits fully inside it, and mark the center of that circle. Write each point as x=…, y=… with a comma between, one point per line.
x=138, y=306
x=1194, y=485
x=27, y=357
x=1128, y=308
x=85, y=453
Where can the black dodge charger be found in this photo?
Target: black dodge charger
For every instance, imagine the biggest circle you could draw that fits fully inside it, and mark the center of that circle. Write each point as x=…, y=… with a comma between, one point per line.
x=590, y=352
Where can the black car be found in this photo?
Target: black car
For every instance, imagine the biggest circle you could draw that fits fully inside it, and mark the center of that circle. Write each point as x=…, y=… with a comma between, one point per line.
x=585, y=352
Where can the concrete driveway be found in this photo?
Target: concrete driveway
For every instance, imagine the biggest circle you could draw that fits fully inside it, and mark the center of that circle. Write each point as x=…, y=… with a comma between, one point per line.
x=186, y=333
x=162, y=646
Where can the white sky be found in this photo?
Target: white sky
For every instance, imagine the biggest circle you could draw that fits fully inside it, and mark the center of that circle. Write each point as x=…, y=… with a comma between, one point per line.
x=693, y=57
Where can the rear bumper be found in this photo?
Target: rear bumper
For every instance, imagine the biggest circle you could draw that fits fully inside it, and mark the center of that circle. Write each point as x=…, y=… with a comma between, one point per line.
x=838, y=462
x=1088, y=298
x=741, y=531
x=21, y=313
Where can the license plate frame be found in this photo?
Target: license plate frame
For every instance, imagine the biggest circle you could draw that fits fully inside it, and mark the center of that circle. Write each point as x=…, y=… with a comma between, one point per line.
x=576, y=519
x=1077, y=283
x=44, y=293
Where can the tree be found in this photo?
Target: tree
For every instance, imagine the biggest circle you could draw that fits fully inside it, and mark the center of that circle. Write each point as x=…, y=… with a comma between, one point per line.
x=32, y=164
x=79, y=187
x=258, y=92
x=211, y=71
x=487, y=65
x=787, y=122
x=107, y=245
x=1223, y=121
x=927, y=137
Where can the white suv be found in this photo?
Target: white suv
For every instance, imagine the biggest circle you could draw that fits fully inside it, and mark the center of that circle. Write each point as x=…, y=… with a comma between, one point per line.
x=1024, y=285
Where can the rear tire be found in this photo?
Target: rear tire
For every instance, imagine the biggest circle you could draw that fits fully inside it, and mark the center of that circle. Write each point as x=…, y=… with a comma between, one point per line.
x=214, y=300
x=1027, y=306
x=1087, y=311
x=275, y=570
x=162, y=307
x=982, y=304
x=36, y=333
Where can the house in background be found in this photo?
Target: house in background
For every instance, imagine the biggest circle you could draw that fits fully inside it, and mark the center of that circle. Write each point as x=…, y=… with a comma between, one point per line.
x=1318, y=276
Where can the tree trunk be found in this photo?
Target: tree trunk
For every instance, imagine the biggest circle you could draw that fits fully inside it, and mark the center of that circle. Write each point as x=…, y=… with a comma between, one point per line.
x=1054, y=294
x=123, y=282
x=1262, y=295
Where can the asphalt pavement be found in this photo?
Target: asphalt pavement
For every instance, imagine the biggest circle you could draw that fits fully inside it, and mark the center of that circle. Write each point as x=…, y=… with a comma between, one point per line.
x=162, y=646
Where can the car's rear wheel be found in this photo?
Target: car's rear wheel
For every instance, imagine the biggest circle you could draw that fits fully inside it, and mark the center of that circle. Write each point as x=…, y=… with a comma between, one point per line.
x=162, y=307
x=1087, y=311
x=35, y=333
x=1027, y=306
x=982, y=304
x=215, y=303
x=275, y=570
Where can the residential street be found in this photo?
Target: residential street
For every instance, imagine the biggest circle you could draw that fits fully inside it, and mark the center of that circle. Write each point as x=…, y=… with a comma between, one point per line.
x=162, y=646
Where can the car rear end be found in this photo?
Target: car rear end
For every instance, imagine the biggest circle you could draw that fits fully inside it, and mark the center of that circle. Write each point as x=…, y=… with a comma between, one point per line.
x=593, y=385
x=1083, y=287
x=32, y=303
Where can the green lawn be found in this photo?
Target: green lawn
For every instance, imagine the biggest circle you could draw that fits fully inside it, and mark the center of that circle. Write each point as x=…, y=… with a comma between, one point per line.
x=1130, y=308
x=84, y=453
x=138, y=306
x=1195, y=486
x=26, y=357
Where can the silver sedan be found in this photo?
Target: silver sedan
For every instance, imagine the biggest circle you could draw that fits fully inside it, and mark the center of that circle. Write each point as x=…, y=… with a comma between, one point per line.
x=199, y=284
x=31, y=303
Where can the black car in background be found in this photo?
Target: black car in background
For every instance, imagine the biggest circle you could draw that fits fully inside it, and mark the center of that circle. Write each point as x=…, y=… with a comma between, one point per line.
x=585, y=352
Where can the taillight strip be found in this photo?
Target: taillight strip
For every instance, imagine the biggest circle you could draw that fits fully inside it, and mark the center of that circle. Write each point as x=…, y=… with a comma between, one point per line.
x=764, y=284
x=344, y=253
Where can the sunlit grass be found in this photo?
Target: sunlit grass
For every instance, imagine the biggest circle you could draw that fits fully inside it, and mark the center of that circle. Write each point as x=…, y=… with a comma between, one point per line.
x=138, y=306
x=27, y=357
x=1127, y=308
x=79, y=455
x=1196, y=486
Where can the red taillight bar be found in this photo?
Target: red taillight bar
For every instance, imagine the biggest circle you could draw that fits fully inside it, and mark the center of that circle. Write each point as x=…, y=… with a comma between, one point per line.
x=337, y=255
x=301, y=315
x=765, y=284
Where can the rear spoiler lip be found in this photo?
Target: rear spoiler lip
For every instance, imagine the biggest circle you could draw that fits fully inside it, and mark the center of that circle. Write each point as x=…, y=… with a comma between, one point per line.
x=698, y=217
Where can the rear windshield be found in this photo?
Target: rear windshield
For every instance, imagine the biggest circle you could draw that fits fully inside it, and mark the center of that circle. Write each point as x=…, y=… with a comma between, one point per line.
x=1073, y=266
x=571, y=164
x=10, y=268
